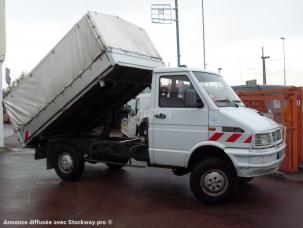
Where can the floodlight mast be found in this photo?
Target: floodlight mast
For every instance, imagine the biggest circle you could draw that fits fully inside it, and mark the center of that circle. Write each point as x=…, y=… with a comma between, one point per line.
x=177, y=33
x=161, y=14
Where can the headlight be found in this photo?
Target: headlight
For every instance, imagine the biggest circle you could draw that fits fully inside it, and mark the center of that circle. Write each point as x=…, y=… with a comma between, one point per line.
x=263, y=139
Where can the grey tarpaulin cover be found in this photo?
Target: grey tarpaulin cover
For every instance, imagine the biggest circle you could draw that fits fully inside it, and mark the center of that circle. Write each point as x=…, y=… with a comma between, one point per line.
x=88, y=39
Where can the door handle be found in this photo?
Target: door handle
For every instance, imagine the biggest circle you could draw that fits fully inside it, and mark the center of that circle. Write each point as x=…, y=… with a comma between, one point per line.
x=160, y=116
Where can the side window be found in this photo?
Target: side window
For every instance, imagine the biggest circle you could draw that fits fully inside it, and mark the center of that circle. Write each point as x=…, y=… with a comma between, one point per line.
x=178, y=92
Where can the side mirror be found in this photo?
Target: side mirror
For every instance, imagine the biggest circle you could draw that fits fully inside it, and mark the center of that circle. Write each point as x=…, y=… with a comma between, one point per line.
x=200, y=103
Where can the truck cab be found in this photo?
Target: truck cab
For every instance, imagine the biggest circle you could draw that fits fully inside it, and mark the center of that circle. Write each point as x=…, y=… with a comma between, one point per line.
x=197, y=124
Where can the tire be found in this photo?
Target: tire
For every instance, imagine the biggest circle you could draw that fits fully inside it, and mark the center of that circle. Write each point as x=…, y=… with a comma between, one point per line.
x=213, y=181
x=117, y=166
x=244, y=180
x=69, y=166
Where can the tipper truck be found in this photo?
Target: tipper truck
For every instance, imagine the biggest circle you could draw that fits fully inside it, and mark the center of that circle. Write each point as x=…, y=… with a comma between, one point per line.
x=196, y=124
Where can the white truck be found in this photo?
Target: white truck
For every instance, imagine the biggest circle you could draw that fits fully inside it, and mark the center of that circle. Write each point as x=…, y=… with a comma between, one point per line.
x=196, y=123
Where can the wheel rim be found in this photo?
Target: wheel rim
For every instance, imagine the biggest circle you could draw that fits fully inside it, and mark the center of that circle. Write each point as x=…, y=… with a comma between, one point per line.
x=66, y=163
x=214, y=182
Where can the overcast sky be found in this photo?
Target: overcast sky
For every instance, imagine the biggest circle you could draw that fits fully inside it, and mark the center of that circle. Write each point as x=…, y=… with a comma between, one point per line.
x=235, y=32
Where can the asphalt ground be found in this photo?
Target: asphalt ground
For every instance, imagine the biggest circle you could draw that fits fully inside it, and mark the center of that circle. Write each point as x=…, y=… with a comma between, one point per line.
x=136, y=197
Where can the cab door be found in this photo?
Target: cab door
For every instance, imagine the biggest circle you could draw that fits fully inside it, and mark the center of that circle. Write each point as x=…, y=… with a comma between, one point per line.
x=179, y=119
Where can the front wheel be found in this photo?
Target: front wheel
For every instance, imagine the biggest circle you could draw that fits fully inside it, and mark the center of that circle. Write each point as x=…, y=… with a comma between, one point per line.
x=69, y=165
x=213, y=181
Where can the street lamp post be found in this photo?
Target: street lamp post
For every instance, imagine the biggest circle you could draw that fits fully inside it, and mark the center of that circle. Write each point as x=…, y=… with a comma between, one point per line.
x=203, y=33
x=264, y=67
x=177, y=32
x=162, y=14
x=219, y=70
x=283, y=39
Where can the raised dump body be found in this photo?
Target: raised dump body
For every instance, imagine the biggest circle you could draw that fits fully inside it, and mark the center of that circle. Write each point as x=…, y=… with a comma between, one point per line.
x=100, y=64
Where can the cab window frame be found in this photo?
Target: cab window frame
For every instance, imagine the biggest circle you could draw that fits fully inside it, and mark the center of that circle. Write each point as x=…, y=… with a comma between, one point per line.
x=174, y=78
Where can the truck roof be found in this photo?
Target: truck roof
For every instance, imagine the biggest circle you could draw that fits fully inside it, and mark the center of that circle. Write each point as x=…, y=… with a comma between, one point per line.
x=180, y=69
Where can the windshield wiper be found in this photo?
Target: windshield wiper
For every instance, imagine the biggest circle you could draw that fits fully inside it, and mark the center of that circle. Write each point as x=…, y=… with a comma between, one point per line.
x=234, y=102
x=239, y=102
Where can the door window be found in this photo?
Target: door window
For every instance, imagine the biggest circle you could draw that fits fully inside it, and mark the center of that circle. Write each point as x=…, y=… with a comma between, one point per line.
x=178, y=92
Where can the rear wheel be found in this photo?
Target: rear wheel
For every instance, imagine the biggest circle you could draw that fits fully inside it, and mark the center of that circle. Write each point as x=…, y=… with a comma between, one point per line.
x=117, y=166
x=213, y=181
x=69, y=165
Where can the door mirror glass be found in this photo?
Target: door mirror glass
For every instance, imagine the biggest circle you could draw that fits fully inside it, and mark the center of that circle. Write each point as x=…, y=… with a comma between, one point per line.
x=199, y=103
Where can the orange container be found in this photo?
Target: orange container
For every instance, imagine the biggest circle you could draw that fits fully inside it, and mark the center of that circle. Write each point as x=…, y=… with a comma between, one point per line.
x=285, y=107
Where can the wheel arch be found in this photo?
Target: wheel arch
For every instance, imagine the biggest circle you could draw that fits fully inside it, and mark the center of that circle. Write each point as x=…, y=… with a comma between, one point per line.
x=55, y=146
x=204, y=151
x=52, y=148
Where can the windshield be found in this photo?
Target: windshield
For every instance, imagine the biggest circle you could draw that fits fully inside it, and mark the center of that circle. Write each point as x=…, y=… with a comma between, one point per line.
x=218, y=90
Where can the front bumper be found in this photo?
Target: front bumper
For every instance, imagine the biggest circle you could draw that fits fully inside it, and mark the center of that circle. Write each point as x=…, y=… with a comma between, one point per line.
x=256, y=162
